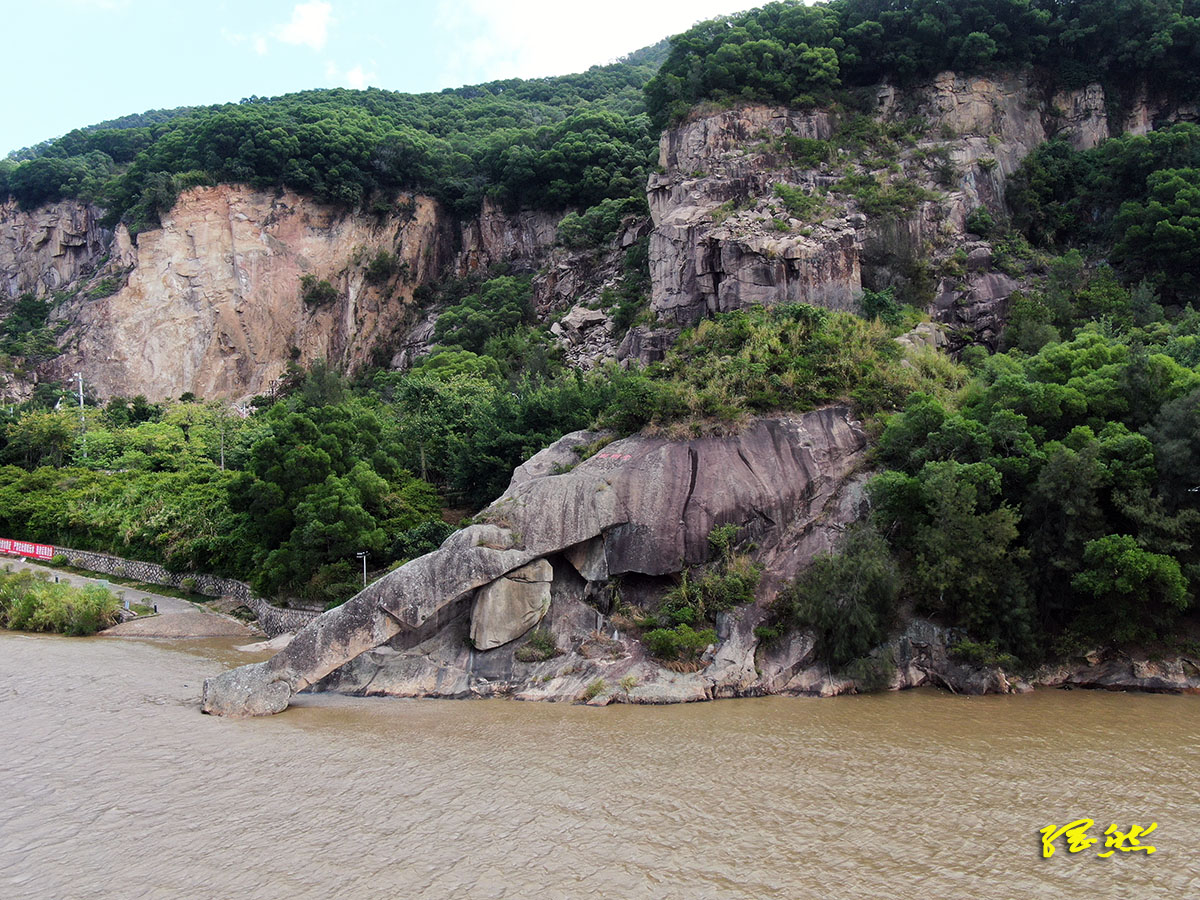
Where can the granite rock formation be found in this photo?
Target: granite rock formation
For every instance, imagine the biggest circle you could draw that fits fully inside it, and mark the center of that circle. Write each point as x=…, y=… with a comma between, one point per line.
x=642, y=506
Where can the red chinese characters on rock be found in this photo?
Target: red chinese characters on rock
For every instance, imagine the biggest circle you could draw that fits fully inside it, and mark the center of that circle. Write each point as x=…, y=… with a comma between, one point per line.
x=25, y=548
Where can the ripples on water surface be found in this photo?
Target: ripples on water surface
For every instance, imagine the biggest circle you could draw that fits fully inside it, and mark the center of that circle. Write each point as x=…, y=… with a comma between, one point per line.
x=115, y=786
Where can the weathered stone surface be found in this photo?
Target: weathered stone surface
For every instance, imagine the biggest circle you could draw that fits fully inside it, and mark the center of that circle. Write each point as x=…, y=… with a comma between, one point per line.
x=559, y=457
x=589, y=559
x=213, y=304
x=511, y=605
x=210, y=303
x=653, y=502
x=722, y=242
x=496, y=236
x=48, y=248
x=1121, y=672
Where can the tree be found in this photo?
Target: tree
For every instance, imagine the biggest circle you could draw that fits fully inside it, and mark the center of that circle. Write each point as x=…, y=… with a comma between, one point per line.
x=1135, y=594
x=848, y=598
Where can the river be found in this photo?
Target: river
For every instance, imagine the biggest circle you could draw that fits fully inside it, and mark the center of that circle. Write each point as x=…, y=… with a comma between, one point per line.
x=115, y=786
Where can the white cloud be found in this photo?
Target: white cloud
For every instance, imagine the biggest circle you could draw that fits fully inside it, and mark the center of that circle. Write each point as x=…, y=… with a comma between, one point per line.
x=309, y=26
x=355, y=77
x=532, y=38
x=260, y=46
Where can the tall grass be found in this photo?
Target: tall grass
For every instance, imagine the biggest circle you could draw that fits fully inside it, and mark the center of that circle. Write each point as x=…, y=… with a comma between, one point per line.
x=29, y=603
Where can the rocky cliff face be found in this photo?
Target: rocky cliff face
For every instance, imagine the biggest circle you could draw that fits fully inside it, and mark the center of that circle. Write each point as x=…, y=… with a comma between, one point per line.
x=49, y=248
x=723, y=238
x=211, y=302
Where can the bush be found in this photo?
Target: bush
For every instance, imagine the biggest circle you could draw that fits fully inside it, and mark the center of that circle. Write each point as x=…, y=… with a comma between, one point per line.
x=593, y=690
x=106, y=287
x=599, y=224
x=703, y=593
x=682, y=643
x=29, y=603
x=982, y=654
x=881, y=305
x=980, y=221
x=316, y=292
x=383, y=267
x=871, y=673
x=799, y=203
x=539, y=646
x=848, y=598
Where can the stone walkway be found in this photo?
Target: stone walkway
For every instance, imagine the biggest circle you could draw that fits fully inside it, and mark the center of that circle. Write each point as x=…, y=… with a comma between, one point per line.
x=176, y=618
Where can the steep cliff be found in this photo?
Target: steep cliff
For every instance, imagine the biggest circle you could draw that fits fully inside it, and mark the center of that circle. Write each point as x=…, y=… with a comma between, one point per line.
x=743, y=213
x=211, y=303
x=49, y=248
x=724, y=236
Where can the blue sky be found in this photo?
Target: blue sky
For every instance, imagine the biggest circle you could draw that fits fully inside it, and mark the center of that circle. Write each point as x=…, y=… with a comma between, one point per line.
x=77, y=62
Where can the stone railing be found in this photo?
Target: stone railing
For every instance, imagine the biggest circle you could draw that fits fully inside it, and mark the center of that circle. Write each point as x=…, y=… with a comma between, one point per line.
x=272, y=619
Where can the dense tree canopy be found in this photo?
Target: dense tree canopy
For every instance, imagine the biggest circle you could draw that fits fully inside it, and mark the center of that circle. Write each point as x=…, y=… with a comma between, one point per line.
x=574, y=140
x=788, y=52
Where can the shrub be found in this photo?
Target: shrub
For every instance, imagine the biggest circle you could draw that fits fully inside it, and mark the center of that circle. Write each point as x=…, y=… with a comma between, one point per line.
x=383, y=267
x=681, y=643
x=806, y=152
x=881, y=305
x=982, y=654
x=316, y=292
x=539, y=646
x=703, y=593
x=980, y=221
x=798, y=202
x=593, y=690
x=38, y=605
x=871, y=673
x=60, y=559
x=848, y=598
x=599, y=224
x=104, y=288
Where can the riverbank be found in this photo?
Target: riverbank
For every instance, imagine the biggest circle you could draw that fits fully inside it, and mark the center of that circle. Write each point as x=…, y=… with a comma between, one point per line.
x=172, y=617
x=600, y=668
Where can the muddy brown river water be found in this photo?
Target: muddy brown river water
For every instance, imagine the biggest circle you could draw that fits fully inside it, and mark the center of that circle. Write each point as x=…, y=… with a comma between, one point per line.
x=113, y=785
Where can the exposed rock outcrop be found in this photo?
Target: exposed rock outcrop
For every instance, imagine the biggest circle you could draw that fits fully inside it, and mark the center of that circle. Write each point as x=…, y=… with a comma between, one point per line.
x=213, y=301
x=723, y=240
x=642, y=506
x=49, y=248
x=210, y=303
x=512, y=604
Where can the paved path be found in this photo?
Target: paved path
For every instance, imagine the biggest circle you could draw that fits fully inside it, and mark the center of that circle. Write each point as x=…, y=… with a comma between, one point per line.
x=177, y=617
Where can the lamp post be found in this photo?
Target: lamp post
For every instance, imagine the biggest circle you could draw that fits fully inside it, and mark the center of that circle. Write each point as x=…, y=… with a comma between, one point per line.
x=362, y=554
x=82, y=421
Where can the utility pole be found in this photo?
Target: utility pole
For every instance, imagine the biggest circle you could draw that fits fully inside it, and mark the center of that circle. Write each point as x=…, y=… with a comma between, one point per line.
x=362, y=554
x=82, y=421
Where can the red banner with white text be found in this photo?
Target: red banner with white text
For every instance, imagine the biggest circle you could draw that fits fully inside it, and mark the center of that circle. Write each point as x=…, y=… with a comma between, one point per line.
x=24, y=548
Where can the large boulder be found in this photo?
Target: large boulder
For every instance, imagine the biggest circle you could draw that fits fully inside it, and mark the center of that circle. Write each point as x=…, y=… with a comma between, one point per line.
x=644, y=505
x=509, y=606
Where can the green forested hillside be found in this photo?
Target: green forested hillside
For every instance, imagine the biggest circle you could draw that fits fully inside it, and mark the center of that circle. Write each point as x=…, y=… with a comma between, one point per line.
x=568, y=141
x=1041, y=495
x=793, y=54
